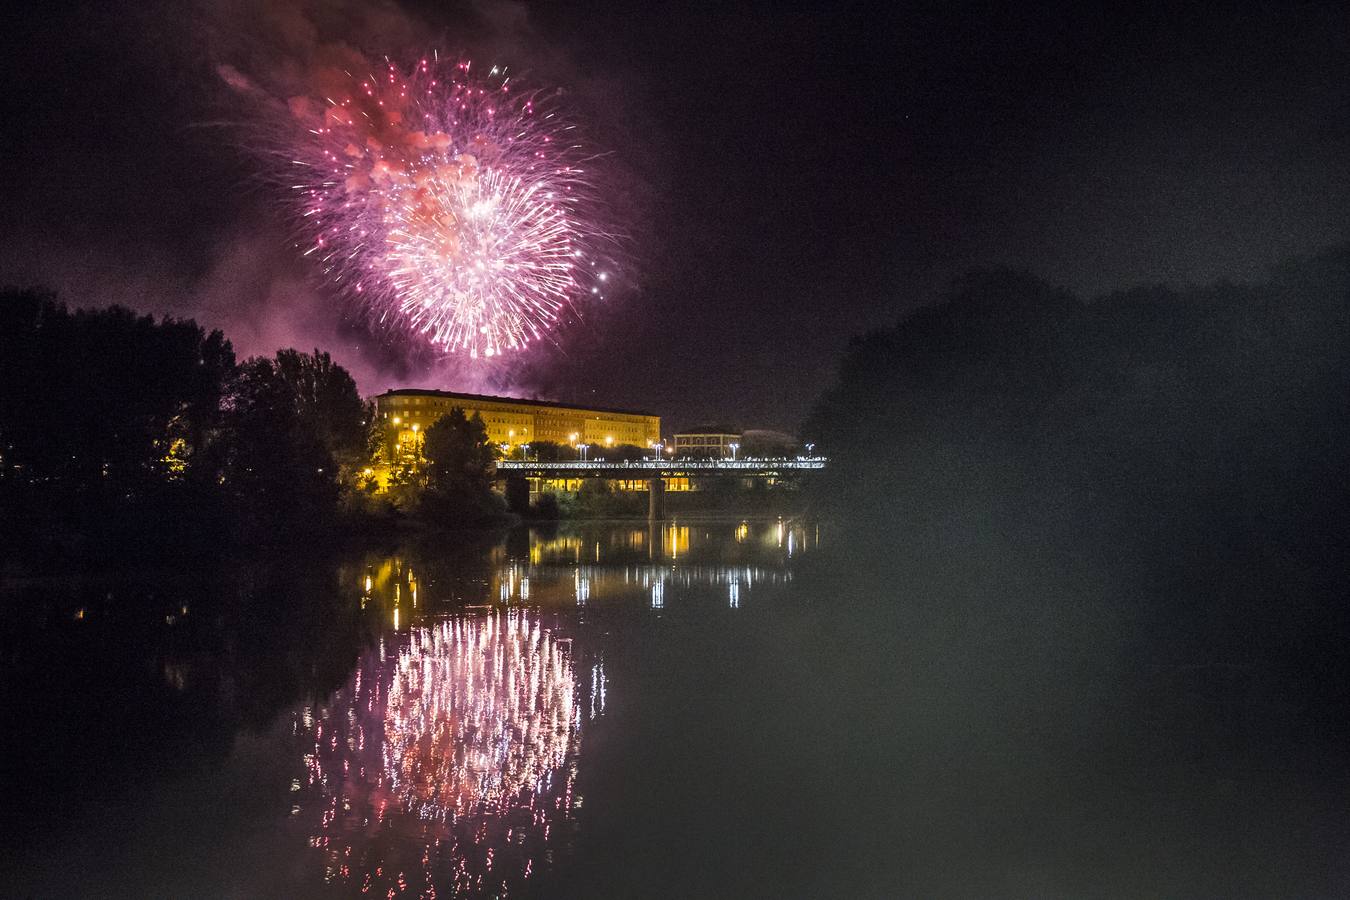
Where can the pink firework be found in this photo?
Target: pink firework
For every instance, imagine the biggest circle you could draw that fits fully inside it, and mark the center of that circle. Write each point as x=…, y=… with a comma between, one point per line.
x=452, y=207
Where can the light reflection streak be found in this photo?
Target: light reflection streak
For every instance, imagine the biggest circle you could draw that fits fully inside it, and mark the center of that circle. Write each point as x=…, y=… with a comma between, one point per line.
x=582, y=584
x=448, y=763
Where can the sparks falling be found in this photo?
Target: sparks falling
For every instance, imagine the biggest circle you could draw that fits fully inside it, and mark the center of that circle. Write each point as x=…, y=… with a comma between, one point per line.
x=451, y=207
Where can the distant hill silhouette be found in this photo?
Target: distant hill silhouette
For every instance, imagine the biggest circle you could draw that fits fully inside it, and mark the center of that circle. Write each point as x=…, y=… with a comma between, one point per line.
x=1192, y=439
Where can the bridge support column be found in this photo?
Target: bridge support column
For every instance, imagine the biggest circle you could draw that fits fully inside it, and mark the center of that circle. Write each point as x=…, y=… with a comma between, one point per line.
x=517, y=494
x=656, y=499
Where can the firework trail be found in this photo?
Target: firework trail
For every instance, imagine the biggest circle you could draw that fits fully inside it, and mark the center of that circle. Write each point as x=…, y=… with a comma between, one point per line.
x=452, y=207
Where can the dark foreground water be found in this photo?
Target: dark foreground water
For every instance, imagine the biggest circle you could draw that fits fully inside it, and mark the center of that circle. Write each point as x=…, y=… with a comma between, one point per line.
x=727, y=709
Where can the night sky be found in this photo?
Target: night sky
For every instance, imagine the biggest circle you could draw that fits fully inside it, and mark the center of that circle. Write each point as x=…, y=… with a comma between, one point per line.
x=788, y=177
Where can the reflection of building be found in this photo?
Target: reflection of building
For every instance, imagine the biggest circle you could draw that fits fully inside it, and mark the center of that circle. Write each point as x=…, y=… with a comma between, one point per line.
x=578, y=566
x=708, y=441
x=407, y=412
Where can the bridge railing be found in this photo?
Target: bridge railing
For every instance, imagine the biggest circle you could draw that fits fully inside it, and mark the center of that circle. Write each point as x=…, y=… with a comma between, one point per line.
x=662, y=465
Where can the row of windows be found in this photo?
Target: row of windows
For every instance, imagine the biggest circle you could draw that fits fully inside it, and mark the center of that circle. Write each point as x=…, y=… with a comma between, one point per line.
x=673, y=483
x=526, y=411
x=573, y=424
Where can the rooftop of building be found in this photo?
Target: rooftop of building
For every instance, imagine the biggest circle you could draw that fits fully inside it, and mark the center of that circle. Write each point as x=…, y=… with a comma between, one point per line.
x=488, y=398
x=708, y=429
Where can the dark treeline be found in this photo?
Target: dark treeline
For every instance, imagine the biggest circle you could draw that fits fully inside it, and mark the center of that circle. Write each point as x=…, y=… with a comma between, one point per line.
x=1185, y=443
x=118, y=431
x=123, y=434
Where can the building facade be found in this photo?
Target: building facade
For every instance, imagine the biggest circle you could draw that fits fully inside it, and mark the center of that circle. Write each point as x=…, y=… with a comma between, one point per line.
x=408, y=412
x=711, y=442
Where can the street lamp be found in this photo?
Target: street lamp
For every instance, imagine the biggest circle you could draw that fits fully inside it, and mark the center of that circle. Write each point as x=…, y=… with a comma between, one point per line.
x=809, y=448
x=659, y=447
x=734, y=447
x=524, y=451
x=583, y=448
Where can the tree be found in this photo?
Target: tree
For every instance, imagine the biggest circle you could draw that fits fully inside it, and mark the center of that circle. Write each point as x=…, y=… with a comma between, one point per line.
x=625, y=453
x=329, y=407
x=457, y=450
x=1148, y=425
x=104, y=415
x=460, y=462
x=296, y=434
x=549, y=451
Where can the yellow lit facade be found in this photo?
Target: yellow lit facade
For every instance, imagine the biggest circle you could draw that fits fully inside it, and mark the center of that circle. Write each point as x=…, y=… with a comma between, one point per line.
x=675, y=483
x=407, y=414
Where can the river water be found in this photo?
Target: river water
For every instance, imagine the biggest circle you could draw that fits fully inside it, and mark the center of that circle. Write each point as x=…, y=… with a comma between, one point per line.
x=690, y=709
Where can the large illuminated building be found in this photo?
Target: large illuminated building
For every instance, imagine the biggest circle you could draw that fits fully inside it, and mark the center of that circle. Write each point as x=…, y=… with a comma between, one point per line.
x=408, y=412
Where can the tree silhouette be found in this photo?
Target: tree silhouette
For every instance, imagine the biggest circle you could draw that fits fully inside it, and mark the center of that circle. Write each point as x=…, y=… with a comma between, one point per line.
x=459, y=468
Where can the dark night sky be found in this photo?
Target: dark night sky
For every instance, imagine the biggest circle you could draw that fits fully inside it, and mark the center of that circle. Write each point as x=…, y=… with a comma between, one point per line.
x=792, y=177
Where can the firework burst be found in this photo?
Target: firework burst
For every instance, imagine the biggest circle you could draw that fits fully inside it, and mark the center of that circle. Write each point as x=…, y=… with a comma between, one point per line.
x=450, y=206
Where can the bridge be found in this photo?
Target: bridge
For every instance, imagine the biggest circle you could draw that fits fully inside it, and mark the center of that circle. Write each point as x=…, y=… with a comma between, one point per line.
x=516, y=471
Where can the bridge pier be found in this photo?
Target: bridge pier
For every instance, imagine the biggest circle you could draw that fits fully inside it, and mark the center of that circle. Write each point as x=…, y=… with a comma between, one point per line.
x=517, y=494
x=656, y=499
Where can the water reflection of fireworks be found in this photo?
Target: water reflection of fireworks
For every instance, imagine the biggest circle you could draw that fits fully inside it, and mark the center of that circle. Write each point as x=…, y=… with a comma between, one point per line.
x=448, y=762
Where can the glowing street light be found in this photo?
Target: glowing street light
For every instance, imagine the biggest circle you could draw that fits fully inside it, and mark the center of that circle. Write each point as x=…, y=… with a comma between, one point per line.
x=734, y=447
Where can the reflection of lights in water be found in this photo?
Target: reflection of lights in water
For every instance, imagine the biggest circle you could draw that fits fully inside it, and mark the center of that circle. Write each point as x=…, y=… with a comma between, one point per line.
x=478, y=711
x=678, y=540
x=734, y=594
x=447, y=764
x=658, y=594
x=597, y=689
x=586, y=584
